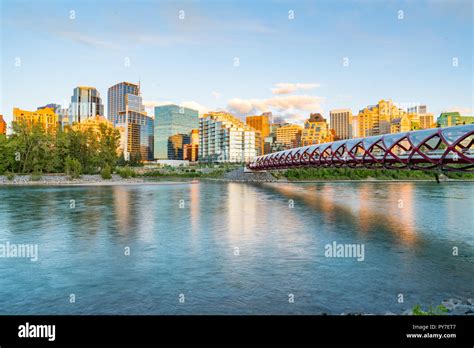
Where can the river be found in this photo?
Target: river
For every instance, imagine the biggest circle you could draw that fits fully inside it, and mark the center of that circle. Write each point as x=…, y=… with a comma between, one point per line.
x=205, y=247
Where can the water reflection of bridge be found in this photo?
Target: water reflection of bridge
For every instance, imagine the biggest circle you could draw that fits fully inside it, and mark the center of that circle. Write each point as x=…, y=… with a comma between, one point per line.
x=447, y=149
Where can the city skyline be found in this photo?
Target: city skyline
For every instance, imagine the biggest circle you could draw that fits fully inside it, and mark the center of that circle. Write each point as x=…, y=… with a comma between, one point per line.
x=189, y=58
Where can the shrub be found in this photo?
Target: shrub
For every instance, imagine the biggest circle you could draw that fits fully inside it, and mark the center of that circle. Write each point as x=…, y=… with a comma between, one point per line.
x=438, y=310
x=73, y=168
x=36, y=176
x=10, y=175
x=106, y=172
x=126, y=172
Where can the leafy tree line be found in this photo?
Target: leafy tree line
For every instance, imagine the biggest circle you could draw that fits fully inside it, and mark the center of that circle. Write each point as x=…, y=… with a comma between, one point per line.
x=31, y=149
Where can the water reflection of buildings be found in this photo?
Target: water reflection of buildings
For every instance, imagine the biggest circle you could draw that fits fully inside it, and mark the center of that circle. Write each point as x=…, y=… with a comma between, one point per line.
x=132, y=214
x=403, y=195
x=367, y=213
x=194, y=208
x=246, y=219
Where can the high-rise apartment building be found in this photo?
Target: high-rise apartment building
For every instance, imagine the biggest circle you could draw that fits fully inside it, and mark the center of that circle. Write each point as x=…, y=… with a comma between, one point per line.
x=85, y=103
x=62, y=113
x=46, y=118
x=316, y=130
x=376, y=119
x=225, y=138
x=401, y=124
x=3, y=125
x=423, y=118
x=289, y=135
x=260, y=123
x=341, y=122
x=171, y=120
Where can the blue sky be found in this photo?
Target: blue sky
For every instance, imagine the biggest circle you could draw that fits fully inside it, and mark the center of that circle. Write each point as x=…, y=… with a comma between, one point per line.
x=289, y=66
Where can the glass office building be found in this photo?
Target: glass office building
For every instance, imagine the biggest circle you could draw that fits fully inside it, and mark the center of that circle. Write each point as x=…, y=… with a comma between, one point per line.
x=85, y=103
x=138, y=138
x=171, y=120
x=126, y=112
x=117, y=99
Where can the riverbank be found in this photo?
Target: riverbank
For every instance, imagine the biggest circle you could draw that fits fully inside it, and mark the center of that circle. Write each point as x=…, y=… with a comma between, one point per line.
x=65, y=180
x=239, y=176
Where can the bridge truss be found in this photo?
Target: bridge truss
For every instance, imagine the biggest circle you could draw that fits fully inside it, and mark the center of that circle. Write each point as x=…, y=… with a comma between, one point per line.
x=445, y=149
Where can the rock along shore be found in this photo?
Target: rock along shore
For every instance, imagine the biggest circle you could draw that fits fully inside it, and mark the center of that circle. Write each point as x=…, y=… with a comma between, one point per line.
x=50, y=179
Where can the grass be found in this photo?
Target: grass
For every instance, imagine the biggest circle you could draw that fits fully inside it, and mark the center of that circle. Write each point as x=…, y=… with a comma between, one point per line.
x=363, y=174
x=438, y=310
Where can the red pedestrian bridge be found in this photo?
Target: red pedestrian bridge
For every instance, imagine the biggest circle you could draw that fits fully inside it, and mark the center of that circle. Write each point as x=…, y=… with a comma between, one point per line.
x=445, y=149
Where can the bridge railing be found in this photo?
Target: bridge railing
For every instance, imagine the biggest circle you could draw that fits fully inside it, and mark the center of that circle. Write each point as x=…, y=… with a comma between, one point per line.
x=447, y=149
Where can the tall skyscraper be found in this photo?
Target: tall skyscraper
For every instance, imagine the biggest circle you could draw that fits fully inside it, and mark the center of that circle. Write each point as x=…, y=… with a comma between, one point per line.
x=341, y=122
x=85, y=103
x=225, y=138
x=125, y=110
x=117, y=99
x=171, y=120
x=3, y=125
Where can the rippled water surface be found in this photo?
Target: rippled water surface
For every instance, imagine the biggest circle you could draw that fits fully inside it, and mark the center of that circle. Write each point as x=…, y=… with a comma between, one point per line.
x=233, y=248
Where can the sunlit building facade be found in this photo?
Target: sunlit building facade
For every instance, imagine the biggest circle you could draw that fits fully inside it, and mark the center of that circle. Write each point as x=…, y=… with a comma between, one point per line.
x=225, y=138
x=85, y=103
x=46, y=118
x=376, y=119
x=288, y=135
x=448, y=119
x=316, y=130
x=191, y=150
x=92, y=124
x=424, y=119
x=3, y=125
x=260, y=123
x=171, y=120
x=63, y=113
x=401, y=124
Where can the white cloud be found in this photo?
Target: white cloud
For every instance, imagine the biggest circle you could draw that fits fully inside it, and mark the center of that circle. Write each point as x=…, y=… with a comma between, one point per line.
x=216, y=94
x=287, y=87
x=150, y=105
x=85, y=39
x=293, y=108
x=464, y=111
x=196, y=106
